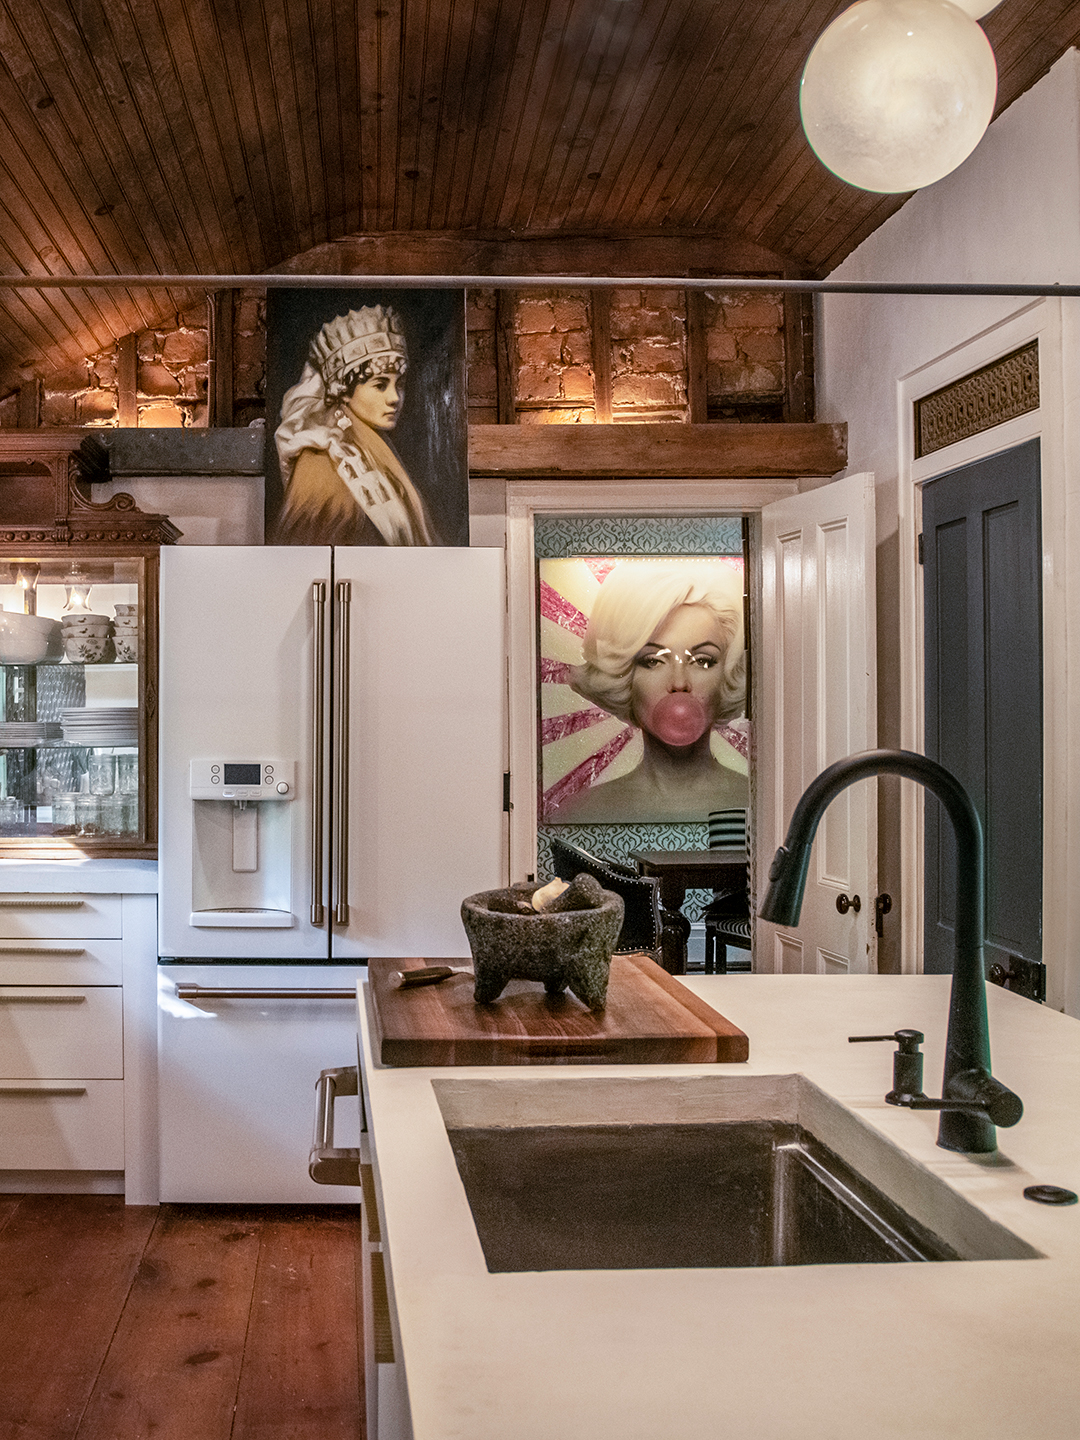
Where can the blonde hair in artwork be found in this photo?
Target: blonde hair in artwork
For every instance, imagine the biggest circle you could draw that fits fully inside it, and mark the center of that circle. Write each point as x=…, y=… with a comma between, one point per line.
x=632, y=602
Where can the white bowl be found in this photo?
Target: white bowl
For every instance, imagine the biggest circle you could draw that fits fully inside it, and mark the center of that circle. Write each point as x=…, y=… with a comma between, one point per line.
x=27, y=639
x=89, y=649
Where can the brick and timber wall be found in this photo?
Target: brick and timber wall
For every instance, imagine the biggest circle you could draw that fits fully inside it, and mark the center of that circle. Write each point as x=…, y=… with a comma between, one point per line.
x=535, y=357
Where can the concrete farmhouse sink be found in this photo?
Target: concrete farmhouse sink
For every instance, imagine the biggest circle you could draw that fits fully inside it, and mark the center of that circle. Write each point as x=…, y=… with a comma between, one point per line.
x=695, y=1172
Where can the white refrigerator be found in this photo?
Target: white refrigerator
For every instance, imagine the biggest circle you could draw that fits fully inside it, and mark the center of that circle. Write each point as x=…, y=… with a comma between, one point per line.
x=332, y=742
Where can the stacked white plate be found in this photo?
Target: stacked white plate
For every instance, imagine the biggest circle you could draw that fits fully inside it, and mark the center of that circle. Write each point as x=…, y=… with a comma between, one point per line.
x=101, y=725
x=28, y=732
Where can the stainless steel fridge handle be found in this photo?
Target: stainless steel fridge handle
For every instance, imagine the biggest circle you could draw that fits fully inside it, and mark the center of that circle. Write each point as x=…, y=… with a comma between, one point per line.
x=318, y=691
x=326, y=1164
x=340, y=896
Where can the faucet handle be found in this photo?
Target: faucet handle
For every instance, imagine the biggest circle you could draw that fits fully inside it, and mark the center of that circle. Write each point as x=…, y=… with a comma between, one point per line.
x=907, y=1064
x=908, y=1040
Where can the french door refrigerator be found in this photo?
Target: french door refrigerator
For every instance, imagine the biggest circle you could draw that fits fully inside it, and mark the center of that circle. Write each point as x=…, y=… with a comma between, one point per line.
x=332, y=743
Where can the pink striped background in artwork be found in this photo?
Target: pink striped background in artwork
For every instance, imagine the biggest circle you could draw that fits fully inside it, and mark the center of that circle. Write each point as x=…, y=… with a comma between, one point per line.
x=601, y=569
x=737, y=737
x=554, y=672
x=555, y=727
x=556, y=608
x=583, y=775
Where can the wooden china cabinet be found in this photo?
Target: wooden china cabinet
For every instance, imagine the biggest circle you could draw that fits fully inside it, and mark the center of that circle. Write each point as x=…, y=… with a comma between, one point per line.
x=78, y=658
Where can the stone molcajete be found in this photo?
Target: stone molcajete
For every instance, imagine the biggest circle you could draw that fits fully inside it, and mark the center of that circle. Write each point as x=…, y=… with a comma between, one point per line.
x=566, y=945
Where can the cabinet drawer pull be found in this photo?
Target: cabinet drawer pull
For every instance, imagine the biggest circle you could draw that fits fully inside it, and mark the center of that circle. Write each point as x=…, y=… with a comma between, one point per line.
x=39, y=902
x=42, y=999
x=42, y=1089
x=29, y=950
x=220, y=992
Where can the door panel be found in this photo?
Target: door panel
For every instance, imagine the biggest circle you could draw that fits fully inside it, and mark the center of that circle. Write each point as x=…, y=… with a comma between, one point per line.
x=426, y=745
x=817, y=695
x=236, y=685
x=983, y=627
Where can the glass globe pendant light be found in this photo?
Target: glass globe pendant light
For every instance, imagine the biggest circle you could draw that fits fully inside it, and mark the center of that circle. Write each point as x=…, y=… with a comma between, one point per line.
x=897, y=93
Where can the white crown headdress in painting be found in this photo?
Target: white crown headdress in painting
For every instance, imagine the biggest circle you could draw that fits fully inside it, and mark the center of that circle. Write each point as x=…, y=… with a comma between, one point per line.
x=370, y=339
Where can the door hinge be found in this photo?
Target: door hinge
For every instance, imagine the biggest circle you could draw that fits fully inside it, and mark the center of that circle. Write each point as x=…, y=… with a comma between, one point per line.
x=1023, y=977
x=922, y=560
x=507, y=807
x=882, y=906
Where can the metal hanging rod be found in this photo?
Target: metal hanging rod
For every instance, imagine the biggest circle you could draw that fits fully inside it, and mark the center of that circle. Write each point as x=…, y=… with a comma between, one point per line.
x=520, y=282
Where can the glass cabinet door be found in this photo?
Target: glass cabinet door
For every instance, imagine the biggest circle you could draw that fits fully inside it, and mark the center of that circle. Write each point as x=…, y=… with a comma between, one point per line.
x=73, y=731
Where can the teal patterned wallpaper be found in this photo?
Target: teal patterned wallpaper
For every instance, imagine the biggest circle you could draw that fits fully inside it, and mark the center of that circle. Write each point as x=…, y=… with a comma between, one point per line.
x=560, y=537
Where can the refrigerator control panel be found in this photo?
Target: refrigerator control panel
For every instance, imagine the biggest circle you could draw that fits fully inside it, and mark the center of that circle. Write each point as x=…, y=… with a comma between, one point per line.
x=243, y=779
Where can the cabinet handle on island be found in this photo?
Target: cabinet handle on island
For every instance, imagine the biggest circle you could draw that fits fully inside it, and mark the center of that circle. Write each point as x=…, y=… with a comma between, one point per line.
x=328, y=1165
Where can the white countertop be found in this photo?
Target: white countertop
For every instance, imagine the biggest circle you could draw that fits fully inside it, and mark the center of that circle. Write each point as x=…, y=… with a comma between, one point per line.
x=79, y=877
x=972, y=1350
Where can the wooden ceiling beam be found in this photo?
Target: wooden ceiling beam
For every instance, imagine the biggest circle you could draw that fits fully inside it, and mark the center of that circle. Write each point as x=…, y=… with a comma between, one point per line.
x=659, y=451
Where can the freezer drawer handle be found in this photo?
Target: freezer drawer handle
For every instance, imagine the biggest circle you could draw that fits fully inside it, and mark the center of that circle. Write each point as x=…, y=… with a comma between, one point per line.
x=326, y=1164
x=318, y=682
x=225, y=992
x=340, y=899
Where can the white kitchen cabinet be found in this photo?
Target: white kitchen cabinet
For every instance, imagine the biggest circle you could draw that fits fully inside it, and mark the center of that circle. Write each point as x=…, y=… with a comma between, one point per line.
x=78, y=960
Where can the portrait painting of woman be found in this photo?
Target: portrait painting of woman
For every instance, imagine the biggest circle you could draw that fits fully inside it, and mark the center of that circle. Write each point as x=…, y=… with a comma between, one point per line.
x=645, y=725
x=369, y=443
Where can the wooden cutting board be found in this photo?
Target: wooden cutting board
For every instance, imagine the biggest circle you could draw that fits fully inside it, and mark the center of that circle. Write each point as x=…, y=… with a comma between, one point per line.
x=649, y=1019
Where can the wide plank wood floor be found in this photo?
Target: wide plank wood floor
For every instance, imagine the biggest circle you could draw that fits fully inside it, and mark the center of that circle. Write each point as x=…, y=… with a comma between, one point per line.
x=188, y=1322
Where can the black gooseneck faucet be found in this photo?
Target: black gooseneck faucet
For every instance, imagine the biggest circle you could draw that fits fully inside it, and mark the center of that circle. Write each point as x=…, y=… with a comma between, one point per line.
x=972, y=1102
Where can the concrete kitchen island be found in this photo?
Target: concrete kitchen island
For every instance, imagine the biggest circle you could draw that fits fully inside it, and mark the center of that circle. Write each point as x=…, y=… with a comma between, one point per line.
x=970, y=1350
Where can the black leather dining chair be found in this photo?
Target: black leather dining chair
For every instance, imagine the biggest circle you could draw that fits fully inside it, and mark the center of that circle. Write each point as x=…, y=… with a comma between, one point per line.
x=640, y=933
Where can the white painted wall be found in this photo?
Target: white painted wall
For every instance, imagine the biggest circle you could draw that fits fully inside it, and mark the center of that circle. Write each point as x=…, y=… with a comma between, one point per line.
x=1011, y=213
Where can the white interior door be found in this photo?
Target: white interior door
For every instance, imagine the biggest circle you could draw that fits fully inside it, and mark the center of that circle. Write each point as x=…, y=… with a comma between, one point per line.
x=817, y=698
x=427, y=746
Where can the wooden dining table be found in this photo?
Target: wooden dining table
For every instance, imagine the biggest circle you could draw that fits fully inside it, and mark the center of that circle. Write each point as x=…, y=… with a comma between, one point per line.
x=679, y=871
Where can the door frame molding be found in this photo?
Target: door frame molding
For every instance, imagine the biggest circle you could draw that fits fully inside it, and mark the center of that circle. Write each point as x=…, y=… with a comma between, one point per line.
x=524, y=500
x=1056, y=424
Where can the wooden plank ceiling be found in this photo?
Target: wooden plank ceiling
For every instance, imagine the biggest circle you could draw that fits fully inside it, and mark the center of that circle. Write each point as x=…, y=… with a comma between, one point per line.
x=236, y=136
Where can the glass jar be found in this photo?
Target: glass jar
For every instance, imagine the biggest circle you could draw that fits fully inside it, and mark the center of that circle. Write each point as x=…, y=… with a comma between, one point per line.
x=101, y=766
x=130, y=815
x=127, y=774
x=63, y=812
x=87, y=814
x=112, y=815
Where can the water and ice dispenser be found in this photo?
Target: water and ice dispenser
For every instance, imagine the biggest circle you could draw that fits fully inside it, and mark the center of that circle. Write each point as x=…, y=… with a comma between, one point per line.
x=242, y=843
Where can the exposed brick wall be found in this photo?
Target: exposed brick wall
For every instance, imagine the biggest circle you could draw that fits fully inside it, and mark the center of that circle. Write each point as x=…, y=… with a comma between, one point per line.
x=745, y=377
x=249, y=356
x=172, y=375
x=480, y=351
x=553, y=357
x=648, y=363
x=551, y=348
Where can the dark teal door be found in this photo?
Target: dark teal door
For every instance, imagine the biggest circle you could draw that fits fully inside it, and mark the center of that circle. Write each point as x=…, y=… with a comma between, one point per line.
x=983, y=641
